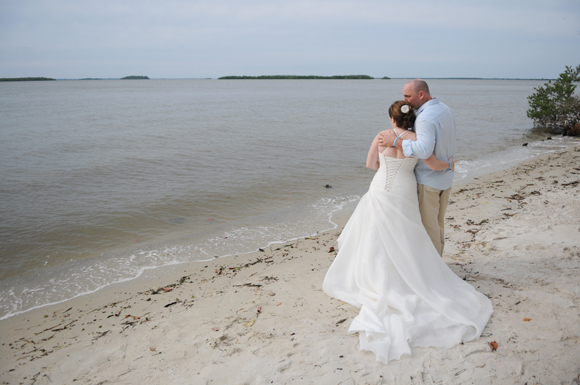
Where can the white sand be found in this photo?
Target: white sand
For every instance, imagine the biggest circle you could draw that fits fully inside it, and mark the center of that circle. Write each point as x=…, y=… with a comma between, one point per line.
x=514, y=235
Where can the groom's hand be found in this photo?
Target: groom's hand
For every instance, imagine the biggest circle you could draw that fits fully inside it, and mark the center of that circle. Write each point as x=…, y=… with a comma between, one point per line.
x=388, y=137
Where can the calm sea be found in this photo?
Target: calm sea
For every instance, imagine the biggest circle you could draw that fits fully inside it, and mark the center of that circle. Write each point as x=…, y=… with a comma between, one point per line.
x=102, y=180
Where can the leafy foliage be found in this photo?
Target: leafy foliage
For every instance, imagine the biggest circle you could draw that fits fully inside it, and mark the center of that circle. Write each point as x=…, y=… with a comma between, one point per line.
x=134, y=77
x=554, y=103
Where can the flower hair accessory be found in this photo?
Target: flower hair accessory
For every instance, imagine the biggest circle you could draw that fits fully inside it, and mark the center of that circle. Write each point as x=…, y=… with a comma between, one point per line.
x=405, y=109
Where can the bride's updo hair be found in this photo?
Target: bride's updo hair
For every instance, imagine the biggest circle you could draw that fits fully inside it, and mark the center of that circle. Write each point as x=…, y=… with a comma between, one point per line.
x=403, y=113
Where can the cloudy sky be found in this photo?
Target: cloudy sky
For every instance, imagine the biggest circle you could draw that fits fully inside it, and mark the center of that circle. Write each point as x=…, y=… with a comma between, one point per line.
x=198, y=39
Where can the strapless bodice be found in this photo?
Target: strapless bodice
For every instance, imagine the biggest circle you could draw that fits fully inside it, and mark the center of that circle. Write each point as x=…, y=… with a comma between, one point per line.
x=394, y=172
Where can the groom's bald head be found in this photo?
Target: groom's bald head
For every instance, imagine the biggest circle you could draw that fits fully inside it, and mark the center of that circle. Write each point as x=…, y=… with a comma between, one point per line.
x=416, y=92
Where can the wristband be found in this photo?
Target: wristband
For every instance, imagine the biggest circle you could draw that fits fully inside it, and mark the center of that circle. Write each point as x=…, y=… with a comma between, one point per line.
x=449, y=164
x=395, y=142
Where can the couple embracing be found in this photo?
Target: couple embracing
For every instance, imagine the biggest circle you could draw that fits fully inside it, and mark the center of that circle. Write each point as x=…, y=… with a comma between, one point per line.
x=389, y=261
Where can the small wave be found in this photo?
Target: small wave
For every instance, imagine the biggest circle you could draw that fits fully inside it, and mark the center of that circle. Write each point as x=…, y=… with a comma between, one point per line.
x=50, y=286
x=467, y=170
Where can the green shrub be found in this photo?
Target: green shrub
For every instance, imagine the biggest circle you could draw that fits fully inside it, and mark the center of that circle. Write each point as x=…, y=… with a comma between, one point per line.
x=555, y=102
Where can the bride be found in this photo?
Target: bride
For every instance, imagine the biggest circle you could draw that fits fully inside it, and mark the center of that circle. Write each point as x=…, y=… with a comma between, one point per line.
x=388, y=267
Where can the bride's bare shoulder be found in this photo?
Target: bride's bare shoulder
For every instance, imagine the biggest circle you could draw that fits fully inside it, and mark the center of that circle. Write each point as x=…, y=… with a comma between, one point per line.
x=410, y=135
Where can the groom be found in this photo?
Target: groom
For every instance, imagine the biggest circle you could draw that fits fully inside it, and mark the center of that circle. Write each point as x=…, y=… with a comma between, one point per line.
x=435, y=128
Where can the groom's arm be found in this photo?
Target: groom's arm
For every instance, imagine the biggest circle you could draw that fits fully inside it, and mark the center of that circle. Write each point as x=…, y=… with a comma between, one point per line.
x=422, y=148
x=425, y=144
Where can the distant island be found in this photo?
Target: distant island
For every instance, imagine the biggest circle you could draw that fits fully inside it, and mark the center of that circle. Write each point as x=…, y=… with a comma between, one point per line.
x=298, y=77
x=133, y=77
x=24, y=79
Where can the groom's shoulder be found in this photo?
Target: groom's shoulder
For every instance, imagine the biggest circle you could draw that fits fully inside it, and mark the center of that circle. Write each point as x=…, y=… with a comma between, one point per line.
x=433, y=110
x=436, y=105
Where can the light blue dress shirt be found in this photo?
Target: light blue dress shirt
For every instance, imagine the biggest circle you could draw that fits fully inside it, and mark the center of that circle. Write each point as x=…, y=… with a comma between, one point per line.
x=435, y=128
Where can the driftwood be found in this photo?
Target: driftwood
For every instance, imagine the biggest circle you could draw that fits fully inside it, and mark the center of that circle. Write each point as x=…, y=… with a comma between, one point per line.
x=249, y=285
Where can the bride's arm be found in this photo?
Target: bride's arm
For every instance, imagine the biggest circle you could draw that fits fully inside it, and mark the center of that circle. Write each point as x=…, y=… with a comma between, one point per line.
x=439, y=165
x=373, y=156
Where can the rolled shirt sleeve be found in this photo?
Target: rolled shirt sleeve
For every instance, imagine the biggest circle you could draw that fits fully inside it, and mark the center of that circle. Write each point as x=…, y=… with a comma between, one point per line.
x=425, y=144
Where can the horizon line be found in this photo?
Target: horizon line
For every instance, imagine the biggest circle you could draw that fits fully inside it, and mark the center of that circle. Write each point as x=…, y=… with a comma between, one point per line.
x=373, y=78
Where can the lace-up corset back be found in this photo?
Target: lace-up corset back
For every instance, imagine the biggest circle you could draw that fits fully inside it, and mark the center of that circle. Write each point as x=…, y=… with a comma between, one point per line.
x=394, y=173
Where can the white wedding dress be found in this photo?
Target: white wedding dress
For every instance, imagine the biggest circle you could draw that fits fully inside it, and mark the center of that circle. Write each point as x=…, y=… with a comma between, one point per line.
x=388, y=267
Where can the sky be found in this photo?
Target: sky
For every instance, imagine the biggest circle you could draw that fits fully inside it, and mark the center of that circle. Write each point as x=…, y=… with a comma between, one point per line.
x=71, y=39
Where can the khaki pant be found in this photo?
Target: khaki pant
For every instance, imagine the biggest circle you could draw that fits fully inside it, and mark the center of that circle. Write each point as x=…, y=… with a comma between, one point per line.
x=432, y=206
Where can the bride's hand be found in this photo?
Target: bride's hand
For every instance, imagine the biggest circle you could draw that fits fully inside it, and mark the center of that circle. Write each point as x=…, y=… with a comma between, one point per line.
x=452, y=160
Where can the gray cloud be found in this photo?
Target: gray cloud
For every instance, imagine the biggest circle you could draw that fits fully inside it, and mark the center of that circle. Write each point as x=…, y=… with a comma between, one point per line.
x=69, y=39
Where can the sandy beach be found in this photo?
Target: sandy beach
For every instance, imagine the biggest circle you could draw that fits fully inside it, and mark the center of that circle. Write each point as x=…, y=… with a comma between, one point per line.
x=262, y=318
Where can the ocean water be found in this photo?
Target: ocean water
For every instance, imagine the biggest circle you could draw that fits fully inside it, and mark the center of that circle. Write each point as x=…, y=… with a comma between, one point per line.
x=102, y=180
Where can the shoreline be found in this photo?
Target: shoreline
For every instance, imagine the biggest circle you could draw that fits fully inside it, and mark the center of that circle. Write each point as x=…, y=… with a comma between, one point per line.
x=337, y=207
x=263, y=316
x=529, y=153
